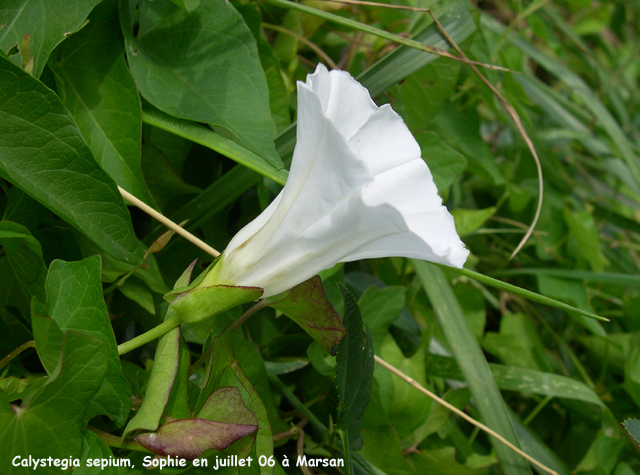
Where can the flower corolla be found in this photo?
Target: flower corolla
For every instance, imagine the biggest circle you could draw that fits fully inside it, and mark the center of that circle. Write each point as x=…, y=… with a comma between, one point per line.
x=357, y=188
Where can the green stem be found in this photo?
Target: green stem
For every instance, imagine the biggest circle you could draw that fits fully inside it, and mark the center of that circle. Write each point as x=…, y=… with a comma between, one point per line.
x=16, y=352
x=151, y=335
x=116, y=441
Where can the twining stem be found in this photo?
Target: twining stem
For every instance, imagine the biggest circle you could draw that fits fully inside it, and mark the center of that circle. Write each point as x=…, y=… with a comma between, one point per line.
x=7, y=359
x=151, y=335
x=457, y=411
x=314, y=421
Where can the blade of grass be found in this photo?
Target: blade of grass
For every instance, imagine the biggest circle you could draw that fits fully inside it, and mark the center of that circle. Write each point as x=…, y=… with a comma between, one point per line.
x=356, y=25
x=627, y=280
x=582, y=91
x=472, y=363
x=513, y=289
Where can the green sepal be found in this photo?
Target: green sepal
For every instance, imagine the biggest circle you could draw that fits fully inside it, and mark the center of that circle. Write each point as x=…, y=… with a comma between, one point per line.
x=195, y=305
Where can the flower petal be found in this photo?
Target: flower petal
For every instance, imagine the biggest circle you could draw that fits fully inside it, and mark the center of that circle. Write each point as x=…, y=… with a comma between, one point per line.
x=358, y=188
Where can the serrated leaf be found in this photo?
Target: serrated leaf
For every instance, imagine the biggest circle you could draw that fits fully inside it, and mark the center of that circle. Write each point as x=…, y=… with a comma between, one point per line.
x=49, y=23
x=209, y=60
x=354, y=372
x=633, y=427
x=97, y=88
x=307, y=305
x=42, y=152
x=53, y=423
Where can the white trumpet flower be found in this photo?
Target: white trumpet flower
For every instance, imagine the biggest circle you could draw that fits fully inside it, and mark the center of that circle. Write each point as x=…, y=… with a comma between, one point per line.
x=358, y=188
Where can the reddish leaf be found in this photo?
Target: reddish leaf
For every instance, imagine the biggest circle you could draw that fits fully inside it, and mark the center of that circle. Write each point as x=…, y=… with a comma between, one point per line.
x=189, y=438
x=307, y=305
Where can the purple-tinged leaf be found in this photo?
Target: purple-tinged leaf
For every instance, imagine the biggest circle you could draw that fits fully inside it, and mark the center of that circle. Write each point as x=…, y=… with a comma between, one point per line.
x=307, y=305
x=226, y=405
x=189, y=438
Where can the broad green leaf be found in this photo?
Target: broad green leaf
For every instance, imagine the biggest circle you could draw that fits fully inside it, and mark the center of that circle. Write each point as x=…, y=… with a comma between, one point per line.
x=583, y=230
x=426, y=90
x=49, y=23
x=23, y=209
x=469, y=220
x=441, y=461
x=75, y=302
x=445, y=163
x=163, y=374
x=42, y=152
x=47, y=335
x=472, y=362
x=53, y=423
x=207, y=137
x=162, y=179
x=379, y=309
x=214, y=72
x=461, y=130
x=96, y=86
x=24, y=254
x=354, y=373
x=93, y=448
x=223, y=360
x=136, y=291
x=307, y=305
x=382, y=448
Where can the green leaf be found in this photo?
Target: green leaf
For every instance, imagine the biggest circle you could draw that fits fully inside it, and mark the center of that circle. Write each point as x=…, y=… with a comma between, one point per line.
x=42, y=152
x=633, y=427
x=472, y=362
x=223, y=361
x=163, y=374
x=207, y=137
x=379, y=309
x=75, y=302
x=49, y=23
x=96, y=86
x=441, y=461
x=214, y=72
x=24, y=254
x=94, y=448
x=53, y=423
x=426, y=90
x=307, y=305
x=583, y=230
x=469, y=220
x=445, y=163
x=162, y=179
